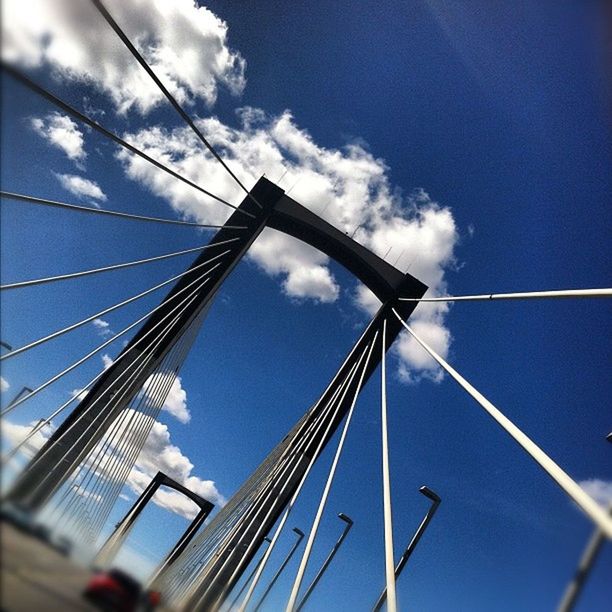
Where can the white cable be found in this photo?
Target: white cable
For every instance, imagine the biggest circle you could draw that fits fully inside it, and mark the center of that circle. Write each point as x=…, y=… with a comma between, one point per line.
x=114, y=213
x=43, y=422
x=389, y=563
x=121, y=392
x=330, y=478
x=90, y=354
x=282, y=466
x=97, y=315
x=280, y=459
x=595, y=512
x=565, y=293
x=137, y=262
x=297, y=492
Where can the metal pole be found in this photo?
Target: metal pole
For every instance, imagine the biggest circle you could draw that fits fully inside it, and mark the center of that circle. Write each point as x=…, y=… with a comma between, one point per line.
x=592, y=509
x=334, y=550
x=300, y=535
x=24, y=391
x=413, y=542
x=389, y=570
x=589, y=556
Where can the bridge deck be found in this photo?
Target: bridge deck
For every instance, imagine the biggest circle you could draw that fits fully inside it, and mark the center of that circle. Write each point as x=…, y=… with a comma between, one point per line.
x=34, y=576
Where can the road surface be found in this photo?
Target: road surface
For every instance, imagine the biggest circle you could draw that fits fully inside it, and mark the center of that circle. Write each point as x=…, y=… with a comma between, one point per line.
x=36, y=578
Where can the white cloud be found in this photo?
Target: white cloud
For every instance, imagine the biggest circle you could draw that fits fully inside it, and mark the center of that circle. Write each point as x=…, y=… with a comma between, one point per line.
x=80, y=186
x=107, y=361
x=302, y=268
x=348, y=187
x=186, y=46
x=103, y=328
x=176, y=400
x=15, y=434
x=4, y=384
x=61, y=132
x=415, y=362
x=599, y=490
x=159, y=454
x=79, y=394
x=87, y=494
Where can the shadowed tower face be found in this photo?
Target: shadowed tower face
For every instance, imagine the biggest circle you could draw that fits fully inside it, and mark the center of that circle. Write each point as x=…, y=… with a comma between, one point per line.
x=208, y=569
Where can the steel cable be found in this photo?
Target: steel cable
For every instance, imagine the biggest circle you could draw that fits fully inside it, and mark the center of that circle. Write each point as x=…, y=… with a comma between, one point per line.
x=105, y=311
x=24, y=80
x=113, y=213
x=91, y=353
x=128, y=264
x=179, y=109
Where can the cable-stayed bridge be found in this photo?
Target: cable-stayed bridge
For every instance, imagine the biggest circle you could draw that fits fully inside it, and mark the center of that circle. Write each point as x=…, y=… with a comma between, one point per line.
x=74, y=480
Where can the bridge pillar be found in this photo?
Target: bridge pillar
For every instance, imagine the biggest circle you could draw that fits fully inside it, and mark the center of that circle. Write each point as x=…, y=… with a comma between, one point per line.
x=233, y=554
x=122, y=381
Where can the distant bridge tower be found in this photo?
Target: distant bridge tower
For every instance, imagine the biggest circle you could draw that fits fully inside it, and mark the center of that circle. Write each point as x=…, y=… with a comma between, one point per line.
x=113, y=544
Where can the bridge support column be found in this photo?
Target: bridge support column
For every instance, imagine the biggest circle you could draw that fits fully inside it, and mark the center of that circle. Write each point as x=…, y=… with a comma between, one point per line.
x=233, y=553
x=122, y=381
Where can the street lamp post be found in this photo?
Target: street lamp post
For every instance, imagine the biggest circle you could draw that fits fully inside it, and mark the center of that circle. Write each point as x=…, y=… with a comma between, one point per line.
x=334, y=550
x=300, y=535
x=18, y=396
x=585, y=565
x=427, y=492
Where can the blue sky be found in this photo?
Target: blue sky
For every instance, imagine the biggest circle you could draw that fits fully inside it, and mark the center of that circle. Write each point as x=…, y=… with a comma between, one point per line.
x=500, y=114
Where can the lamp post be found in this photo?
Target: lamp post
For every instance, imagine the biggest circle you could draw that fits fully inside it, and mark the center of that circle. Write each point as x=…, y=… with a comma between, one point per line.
x=435, y=499
x=585, y=565
x=300, y=535
x=18, y=396
x=334, y=550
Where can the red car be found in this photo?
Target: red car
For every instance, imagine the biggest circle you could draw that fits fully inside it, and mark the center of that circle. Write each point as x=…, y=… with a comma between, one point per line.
x=114, y=591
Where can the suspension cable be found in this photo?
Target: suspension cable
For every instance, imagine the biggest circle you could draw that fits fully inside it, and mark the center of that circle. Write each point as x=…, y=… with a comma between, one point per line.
x=386, y=478
x=125, y=387
x=279, y=467
x=24, y=80
x=330, y=478
x=347, y=384
x=281, y=464
x=150, y=404
x=128, y=264
x=120, y=394
x=59, y=410
x=91, y=353
x=593, y=510
x=101, y=313
x=109, y=464
x=103, y=211
x=179, y=109
x=564, y=293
